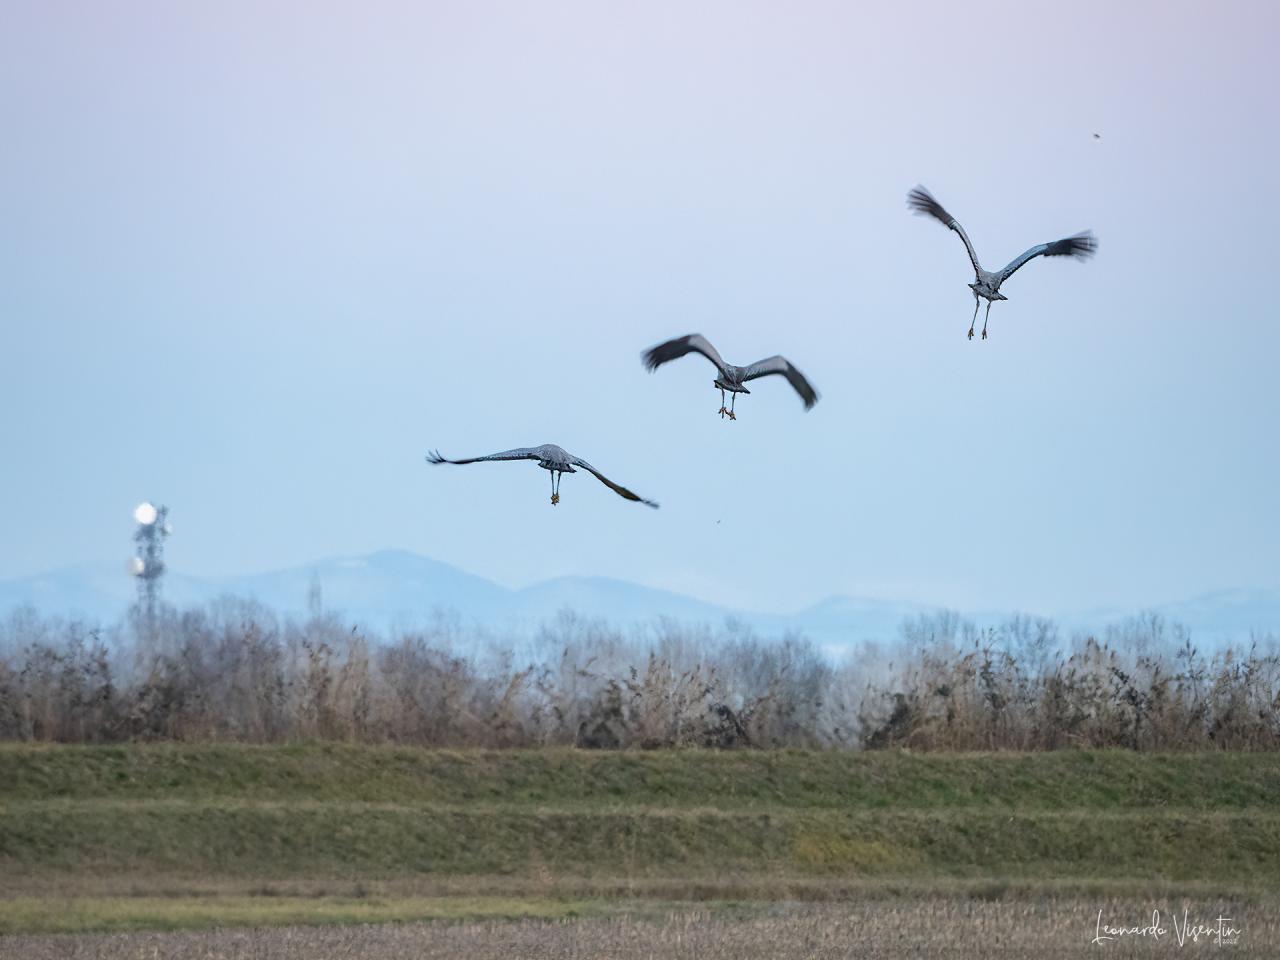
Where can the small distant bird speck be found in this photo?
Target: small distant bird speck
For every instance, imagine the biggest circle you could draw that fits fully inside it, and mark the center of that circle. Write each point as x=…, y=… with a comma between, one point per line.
x=1097, y=136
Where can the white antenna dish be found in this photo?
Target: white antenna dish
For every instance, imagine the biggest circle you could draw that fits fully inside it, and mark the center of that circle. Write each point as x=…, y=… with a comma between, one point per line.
x=145, y=514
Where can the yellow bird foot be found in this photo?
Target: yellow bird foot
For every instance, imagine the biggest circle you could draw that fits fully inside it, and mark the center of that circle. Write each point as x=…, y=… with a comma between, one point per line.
x=555, y=498
x=723, y=411
x=971, y=333
x=732, y=415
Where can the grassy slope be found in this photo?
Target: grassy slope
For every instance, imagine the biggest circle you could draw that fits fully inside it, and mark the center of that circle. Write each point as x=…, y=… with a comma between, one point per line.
x=736, y=824
x=567, y=778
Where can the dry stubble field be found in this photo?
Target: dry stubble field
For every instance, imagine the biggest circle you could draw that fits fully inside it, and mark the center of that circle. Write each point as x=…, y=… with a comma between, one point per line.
x=876, y=930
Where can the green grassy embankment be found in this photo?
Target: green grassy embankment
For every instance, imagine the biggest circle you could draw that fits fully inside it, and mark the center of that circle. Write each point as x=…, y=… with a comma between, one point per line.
x=333, y=831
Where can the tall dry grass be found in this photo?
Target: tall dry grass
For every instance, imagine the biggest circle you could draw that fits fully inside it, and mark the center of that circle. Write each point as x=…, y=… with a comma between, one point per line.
x=236, y=671
x=1142, y=685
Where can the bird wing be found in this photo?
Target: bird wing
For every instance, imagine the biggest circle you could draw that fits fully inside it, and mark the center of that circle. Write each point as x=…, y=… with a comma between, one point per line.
x=619, y=490
x=1082, y=246
x=781, y=365
x=921, y=201
x=677, y=348
x=520, y=453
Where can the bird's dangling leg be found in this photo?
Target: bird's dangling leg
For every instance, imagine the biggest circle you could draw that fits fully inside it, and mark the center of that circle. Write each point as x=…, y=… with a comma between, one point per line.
x=555, y=494
x=985, y=319
x=976, y=304
x=723, y=410
x=733, y=402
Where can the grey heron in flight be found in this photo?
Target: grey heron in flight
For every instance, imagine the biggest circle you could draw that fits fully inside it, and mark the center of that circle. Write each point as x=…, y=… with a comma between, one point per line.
x=555, y=459
x=1081, y=246
x=730, y=378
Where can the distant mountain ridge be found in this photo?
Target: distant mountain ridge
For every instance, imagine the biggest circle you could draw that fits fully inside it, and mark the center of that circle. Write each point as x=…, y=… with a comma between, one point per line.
x=398, y=588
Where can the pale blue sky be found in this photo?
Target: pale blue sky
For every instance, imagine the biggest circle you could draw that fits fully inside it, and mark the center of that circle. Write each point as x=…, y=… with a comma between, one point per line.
x=257, y=258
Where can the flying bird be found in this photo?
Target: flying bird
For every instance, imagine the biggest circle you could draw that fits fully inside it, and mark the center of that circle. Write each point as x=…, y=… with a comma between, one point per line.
x=1081, y=246
x=550, y=457
x=730, y=378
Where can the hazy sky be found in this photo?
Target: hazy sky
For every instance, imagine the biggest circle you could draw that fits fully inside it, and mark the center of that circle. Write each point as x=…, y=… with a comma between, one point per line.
x=257, y=258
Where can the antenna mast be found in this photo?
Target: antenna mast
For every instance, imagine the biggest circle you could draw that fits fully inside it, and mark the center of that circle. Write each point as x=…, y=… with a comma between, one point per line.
x=148, y=563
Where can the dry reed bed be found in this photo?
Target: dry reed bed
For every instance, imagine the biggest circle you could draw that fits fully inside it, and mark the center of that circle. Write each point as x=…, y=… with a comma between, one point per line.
x=235, y=671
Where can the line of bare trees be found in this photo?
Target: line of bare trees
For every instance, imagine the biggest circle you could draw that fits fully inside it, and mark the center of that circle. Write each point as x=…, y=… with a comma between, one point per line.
x=235, y=671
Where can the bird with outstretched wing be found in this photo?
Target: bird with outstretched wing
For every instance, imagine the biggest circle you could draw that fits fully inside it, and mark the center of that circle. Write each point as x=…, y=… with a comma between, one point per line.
x=1081, y=246
x=729, y=377
x=553, y=458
